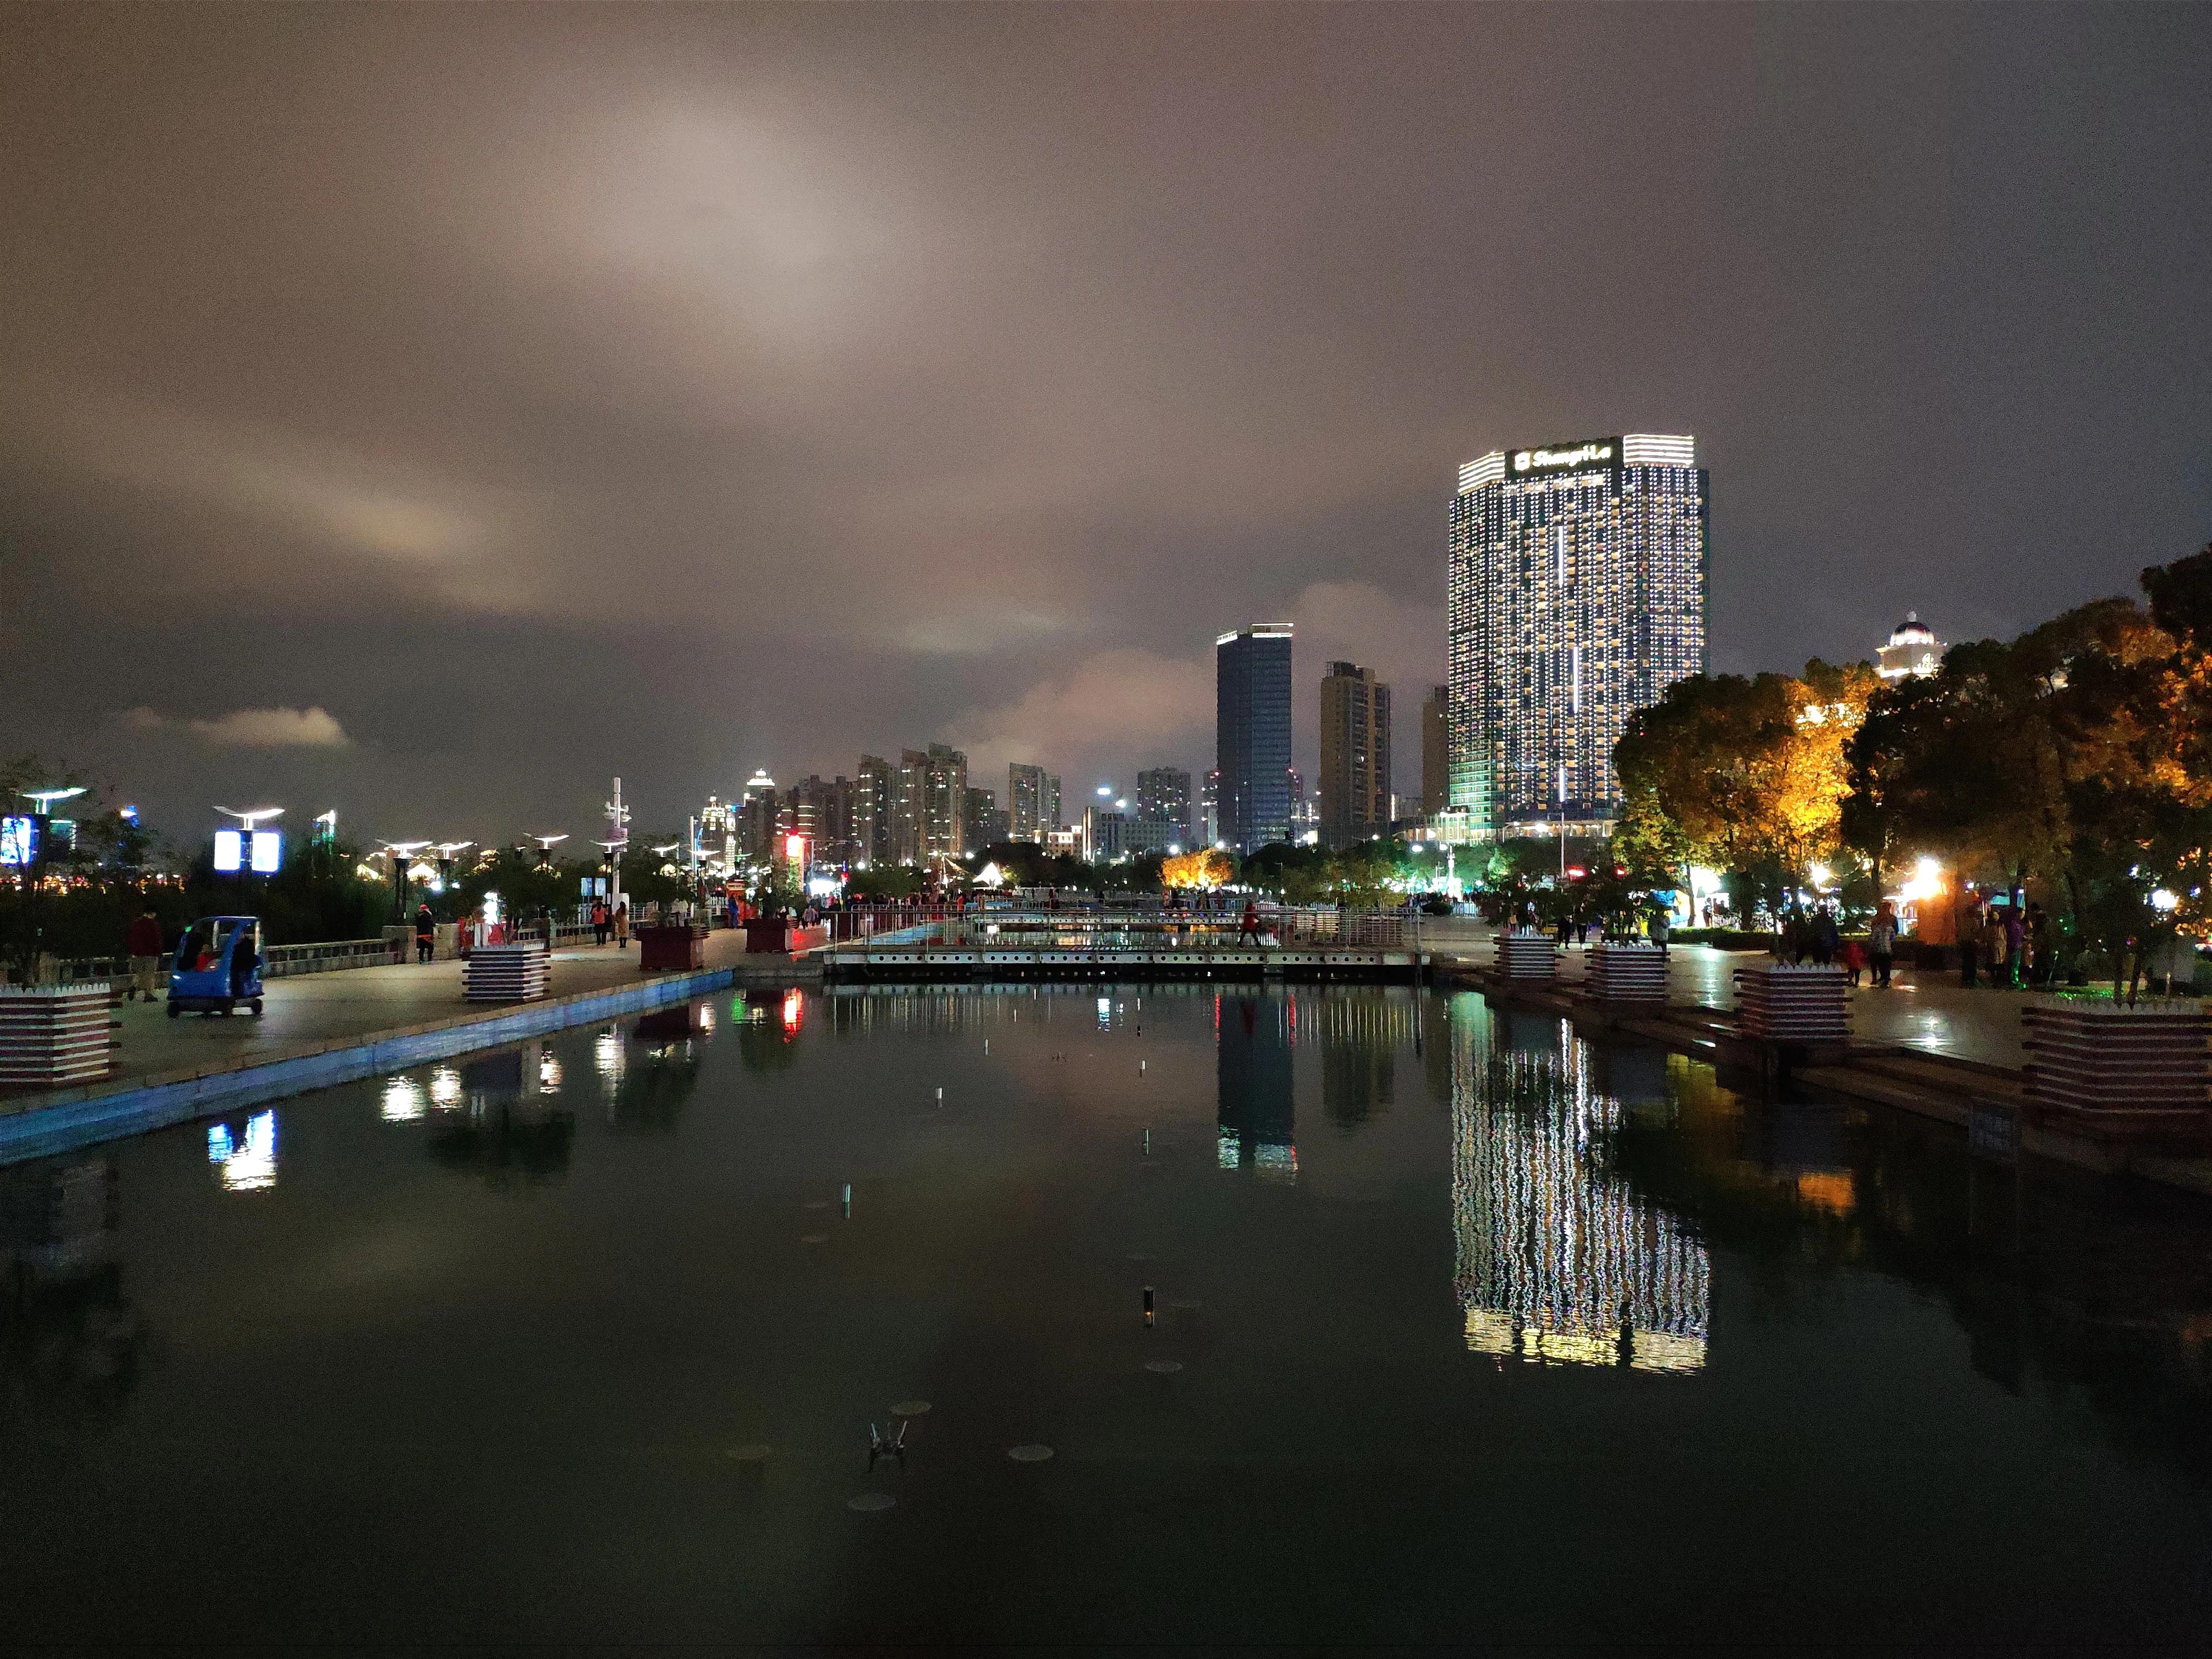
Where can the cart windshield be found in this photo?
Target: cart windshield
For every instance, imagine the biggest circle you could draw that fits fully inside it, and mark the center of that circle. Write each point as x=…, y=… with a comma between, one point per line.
x=201, y=948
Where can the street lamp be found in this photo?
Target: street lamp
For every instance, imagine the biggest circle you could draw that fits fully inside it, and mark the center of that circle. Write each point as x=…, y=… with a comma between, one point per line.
x=545, y=844
x=249, y=847
x=401, y=852
x=446, y=851
x=34, y=856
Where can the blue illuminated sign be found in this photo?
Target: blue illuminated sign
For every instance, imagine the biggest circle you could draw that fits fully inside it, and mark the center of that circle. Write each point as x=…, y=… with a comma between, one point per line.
x=18, y=840
x=268, y=851
x=229, y=852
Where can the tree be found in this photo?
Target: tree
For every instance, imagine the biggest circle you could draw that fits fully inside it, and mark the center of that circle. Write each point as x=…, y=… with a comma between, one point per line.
x=1748, y=775
x=1209, y=867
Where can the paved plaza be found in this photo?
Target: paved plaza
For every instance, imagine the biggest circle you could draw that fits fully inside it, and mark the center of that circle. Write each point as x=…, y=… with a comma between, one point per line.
x=1930, y=1012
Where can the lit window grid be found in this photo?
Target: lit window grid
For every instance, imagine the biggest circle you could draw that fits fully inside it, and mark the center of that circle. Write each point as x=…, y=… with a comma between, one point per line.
x=1588, y=582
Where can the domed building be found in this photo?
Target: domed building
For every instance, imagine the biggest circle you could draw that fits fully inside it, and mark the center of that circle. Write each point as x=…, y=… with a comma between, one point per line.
x=1913, y=649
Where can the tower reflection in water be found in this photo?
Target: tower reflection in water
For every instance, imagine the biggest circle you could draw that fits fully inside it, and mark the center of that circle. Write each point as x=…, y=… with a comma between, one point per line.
x=1254, y=1115
x=1557, y=1259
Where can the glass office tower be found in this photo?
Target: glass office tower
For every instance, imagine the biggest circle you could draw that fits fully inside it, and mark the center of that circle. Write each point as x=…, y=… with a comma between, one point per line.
x=1576, y=596
x=1252, y=734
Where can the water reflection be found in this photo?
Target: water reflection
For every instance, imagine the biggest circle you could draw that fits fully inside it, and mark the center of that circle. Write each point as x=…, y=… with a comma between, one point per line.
x=1255, y=1113
x=244, y=1153
x=1360, y=1035
x=657, y=1081
x=67, y=1331
x=404, y=1100
x=1558, y=1258
x=507, y=1143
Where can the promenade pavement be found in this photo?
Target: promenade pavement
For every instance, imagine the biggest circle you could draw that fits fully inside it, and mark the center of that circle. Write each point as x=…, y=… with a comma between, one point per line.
x=1928, y=1012
x=307, y=1012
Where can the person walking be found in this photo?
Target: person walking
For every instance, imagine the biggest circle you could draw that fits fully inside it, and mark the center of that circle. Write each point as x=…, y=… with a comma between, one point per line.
x=1970, y=944
x=245, y=960
x=2039, y=963
x=1994, y=950
x=142, y=941
x=1881, y=943
x=426, y=934
x=599, y=921
x=2016, y=932
x=1249, y=928
x=621, y=925
x=1824, y=938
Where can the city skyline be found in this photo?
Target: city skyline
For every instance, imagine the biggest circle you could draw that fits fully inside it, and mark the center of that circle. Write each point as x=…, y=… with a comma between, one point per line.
x=470, y=407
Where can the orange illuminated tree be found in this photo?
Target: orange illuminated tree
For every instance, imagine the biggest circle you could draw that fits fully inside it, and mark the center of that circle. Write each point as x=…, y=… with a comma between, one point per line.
x=1209, y=867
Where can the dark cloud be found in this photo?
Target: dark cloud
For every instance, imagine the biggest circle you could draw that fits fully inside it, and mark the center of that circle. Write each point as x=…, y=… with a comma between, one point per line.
x=545, y=393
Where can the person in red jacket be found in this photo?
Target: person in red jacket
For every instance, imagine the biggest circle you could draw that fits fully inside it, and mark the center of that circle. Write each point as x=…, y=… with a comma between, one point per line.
x=144, y=943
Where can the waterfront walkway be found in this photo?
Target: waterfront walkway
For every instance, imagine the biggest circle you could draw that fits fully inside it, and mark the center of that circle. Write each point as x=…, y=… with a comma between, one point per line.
x=324, y=1027
x=1931, y=1012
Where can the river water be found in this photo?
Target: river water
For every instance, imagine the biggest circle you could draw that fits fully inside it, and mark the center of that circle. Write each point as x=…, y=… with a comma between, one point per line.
x=1463, y=1329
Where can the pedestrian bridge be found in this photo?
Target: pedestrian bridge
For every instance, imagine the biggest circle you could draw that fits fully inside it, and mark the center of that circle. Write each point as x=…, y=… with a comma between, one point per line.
x=994, y=944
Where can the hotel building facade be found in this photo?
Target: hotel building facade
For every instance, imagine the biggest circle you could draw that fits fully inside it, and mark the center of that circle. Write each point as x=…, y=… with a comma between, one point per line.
x=1576, y=596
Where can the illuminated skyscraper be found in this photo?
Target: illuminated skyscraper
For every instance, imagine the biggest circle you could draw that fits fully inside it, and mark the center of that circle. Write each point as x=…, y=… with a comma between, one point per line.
x=1355, y=754
x=875, y=811
x=1252, y=734
x=756, y=818
x=1435, y=751
x=1163, y=797
x=933, y=804
x=1576, y=596
x=1032, y=802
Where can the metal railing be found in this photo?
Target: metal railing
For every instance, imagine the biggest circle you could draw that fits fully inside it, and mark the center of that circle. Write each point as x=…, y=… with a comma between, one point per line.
x=277, y=961
x=1149, y=929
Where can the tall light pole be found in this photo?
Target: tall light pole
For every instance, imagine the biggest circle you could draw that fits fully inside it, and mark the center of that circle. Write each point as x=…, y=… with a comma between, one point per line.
x=42, y=822
x=617, y=840
x=401, y=852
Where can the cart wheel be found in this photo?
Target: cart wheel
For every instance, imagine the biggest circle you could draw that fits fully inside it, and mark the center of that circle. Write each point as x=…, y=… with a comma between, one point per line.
x=257, y=1007
x=225, y=1010
x=173, y=1009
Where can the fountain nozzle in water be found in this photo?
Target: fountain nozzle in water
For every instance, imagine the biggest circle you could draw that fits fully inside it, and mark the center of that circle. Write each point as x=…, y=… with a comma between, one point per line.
x=894, y=1447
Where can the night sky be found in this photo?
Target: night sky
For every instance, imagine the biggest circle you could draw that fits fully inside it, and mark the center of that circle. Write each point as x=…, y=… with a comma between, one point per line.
x=430, y=412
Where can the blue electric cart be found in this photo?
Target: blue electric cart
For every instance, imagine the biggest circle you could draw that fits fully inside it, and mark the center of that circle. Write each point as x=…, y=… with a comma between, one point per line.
x=217, y=966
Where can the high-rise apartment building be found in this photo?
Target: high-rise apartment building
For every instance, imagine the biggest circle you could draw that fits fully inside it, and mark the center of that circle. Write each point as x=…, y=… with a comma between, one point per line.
x=1576, y=595
x=756, y=818
x=1032, y=802
x=1305, y=812
x=1252, y=734
x=1355, y=754
x=1163, y=797
x=987, y=824
x=1435, y=751
x=875, y=811
x=825, y=812
x=933, y=804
